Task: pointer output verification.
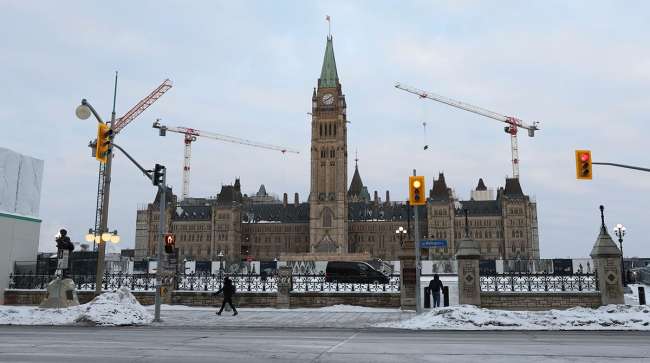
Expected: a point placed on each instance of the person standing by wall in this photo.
(435, 286)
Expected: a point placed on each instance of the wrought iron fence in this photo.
(541, 282)
(213, 282)
(317, 283)
(244, 283)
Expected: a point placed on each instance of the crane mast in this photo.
(191, 136)
(513, 123)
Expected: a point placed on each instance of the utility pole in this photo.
(418, 264)
(163, 191)
(103, 222)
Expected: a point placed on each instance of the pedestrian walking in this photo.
(228, 290)
(435, 286)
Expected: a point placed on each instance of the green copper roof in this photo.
(328, 75)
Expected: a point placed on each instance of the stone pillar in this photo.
(607, 265)
(283, 300)
(407, 276)
(60, 294)
(468, 254)
(166, 287)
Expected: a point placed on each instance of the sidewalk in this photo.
(330, 317)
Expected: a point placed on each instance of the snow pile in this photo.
(110, 308)
(633, 298)
(114, 308)
(352, 309)
(468, 317)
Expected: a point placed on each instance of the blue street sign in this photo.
(433, 243)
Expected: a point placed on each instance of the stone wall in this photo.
(317, 300)
(539, 301)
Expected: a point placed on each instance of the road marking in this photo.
(343, 342)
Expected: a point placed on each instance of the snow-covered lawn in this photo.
(468, 317)
(110, 308)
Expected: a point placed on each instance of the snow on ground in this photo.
(110, 308)
(633, 299)
(468, 317)
(333, 308)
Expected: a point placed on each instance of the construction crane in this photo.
(192, 134)
(118, 125)
(513, 123)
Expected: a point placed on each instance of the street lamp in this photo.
(83, 112)
(401, 233)
(220, 265)
(619, 231)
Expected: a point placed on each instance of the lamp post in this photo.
(83, 112)
(619, 230)
(220, 265)
(401, 233)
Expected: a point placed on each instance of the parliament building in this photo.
(337, 218)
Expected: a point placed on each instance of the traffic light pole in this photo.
(163, 191)
(103, 223)
(418, 264)
(162, 188)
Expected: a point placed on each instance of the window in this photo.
(327, 217)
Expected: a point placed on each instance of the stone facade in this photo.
(336, 220)
(539, 301)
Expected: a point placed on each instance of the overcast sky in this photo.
(582, 69)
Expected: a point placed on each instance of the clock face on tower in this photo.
(328, 99)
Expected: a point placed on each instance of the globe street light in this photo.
(401, 232)
(619, 231)
(83, 112)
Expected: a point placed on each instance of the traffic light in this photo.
(158, 174)
(416, 190)
(583, 164)
(103, 145)
(170, 243)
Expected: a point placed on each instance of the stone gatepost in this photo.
(607, 265)
(407, 276)
(468, 254)
(283, 300)
(168, 285)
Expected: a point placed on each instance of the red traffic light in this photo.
(584, 156)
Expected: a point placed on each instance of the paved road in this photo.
(187, 344)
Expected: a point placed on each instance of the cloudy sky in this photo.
(580, 68)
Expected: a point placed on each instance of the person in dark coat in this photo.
(63, 244)
(228, 290)
(435, 286)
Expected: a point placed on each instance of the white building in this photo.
(20, 195)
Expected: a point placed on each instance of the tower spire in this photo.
(356, 158)
(328, 76)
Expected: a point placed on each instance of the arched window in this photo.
(327, 217)
(332, 153)
(321, 129)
